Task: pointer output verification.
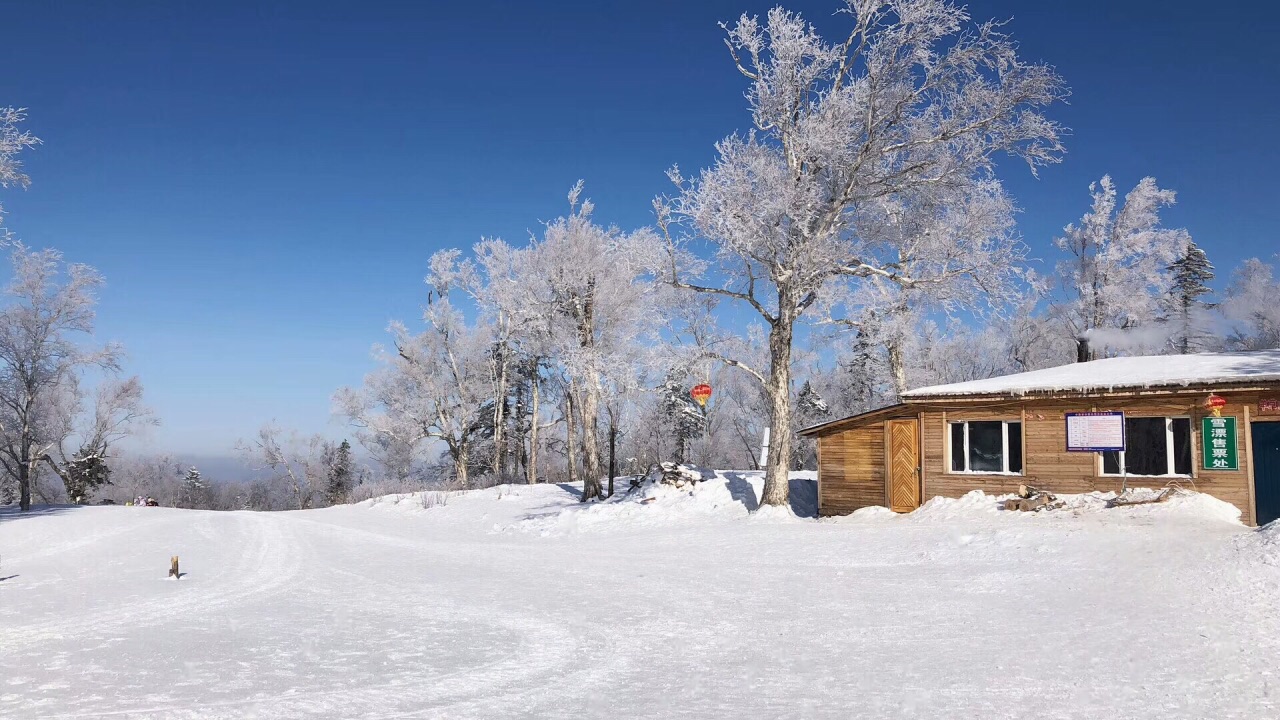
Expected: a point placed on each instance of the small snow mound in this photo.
(653, 504)
(721, 495)
(875, 512)
(1269, 534)
(413, 502)
(975, 502)
(775, 514)
(1200, 506)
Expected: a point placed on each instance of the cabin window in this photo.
(1153, 446)
(987, 446)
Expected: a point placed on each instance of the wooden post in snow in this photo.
(173, 568)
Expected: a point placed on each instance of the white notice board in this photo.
(1095, 431)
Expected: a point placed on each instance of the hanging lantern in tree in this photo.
(701, 393)
(1215, 403)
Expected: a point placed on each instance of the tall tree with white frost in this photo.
(117, 411)
(1251, 307)
(435, 386)
(299, 462)
(916, 97)
(589, 284)
(49, 304)
(951, 248)
(1117, 272)
(1191, 273)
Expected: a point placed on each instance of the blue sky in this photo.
(262, 184)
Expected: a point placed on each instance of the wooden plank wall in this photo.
(851, 469)
(1047, 465)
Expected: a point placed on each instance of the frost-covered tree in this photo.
(1252, 307)
(295, 461)
(1116, 275)
(589, 284)
(575, 305)
(117, 411)
(958, 247)
(85, 472)
(13, 140)
(434, 387)
(494, 278)
(810, 409)
(916, 99)
(49, 307)
(194, 492)
(1190, 273)
(340, 473)
(684, 417)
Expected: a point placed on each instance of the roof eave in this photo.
(836, 425)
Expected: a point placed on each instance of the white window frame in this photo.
(1170, 462)
(1004, 450)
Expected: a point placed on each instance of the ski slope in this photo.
(518, 602)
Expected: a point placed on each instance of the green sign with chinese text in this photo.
(1218, 443)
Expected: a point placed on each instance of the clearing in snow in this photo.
(518, 601)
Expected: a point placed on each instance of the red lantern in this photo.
(1215, 403)
(701, 393)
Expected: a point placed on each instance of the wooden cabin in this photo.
(996, 434)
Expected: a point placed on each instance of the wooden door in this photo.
(1266, 471)
(903, 454)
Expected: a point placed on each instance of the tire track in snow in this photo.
(269, 566)
(545, 652)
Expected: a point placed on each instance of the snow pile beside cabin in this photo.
(1164, 371)
(721, 495)
(1184, 506)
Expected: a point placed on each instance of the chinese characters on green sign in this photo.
(1218, 441)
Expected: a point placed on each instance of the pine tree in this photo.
(1190, 273)
(687, 419)
(811, 409)
(340, 475)
(84, 473)
(194, 491)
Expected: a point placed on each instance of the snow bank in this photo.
(724, 495)
(1186, 506)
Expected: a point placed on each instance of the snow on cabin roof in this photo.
(1128, 373)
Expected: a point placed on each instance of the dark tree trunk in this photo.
(613, 445)
(24, 486)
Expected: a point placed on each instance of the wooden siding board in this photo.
(851, 473)
(853, 460)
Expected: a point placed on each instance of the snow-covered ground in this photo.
(519, 602)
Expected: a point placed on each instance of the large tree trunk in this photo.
(591, 487)
(499, 412)
(24, 486)
(460, 458)
(613, 452)
(897, 366)
(531, 463)
(570, 435)
(776, 474)
(590, 399)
